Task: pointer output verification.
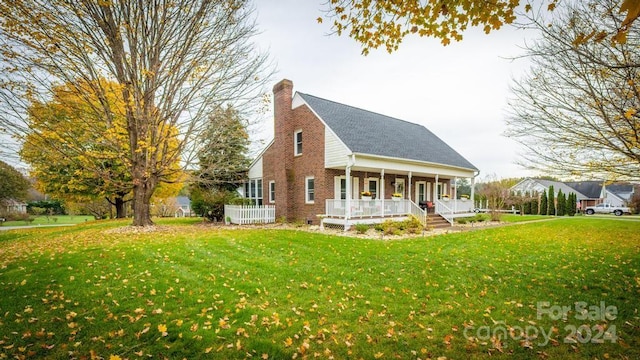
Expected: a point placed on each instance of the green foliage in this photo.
(19, 219)
(561, 205)
(223, 161)
(551, 202)
(572, 204)
(544, 203)
(480, 217)
(35, 210)
(526, 208)
(12, 184)
(410, 226)
(51, 207)
(210, 203)
(361, 228)
(534, 206)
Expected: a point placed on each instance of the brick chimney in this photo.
(283, 147)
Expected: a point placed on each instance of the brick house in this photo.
(326, 155)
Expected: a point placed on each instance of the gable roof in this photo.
(529, 184)
(590, 189)
(366, 132)
(183, 201)
(623, 191)
(557, 185)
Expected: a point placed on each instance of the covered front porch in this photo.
(374, 190)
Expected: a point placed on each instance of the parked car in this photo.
(607, 209)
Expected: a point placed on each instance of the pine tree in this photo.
(534, 206)
(223, 157)
(543, 203)
(551, 202)
(562, 200)
(571, 204)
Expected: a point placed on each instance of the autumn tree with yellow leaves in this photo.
(577, 110)
(172, 61)
(376, 24)
(90, 160)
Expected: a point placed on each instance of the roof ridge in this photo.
(361, 109)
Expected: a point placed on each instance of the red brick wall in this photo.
(309, 163)
(288, 171)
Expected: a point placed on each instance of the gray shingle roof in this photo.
(367, 132)
(566, 189)
(591, 189)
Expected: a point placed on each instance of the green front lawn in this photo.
(51, 220)
(191, 291)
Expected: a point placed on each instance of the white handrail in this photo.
(415, 210)
(444, 211)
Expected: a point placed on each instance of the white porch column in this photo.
(382, 191)
(351, 160)
(473, 187)
(454, 194)
(409, 186)
(435, 189)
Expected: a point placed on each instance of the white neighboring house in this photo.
(617, 194)
(589, 193)
(533, 186)
(183, 207)
(14, 206)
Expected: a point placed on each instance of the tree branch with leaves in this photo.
(173, 62)
(576, 111)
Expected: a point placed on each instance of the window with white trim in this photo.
(371, 185)
(340, 188)
(297, 143)
(272, 191)
(421, 191)
(309, 189)
(399, 187)
(253, 190)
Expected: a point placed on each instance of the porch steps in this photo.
(437, 222)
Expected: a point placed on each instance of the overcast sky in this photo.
(459, 92)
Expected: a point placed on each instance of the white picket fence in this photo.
(249, 214)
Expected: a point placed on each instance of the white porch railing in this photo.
(374, 208)
(444, 211)
(449, 209)
(416, 211)
(252, 214)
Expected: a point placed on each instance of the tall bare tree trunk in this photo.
(142, 193)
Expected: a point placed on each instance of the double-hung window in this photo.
(272, 191)
(309, 190)
(297, 143)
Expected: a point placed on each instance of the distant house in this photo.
(589, 193)
(344, 164)
(14, 206)
(183, 209)
(618, 194)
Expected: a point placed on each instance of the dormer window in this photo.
(297, 143)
